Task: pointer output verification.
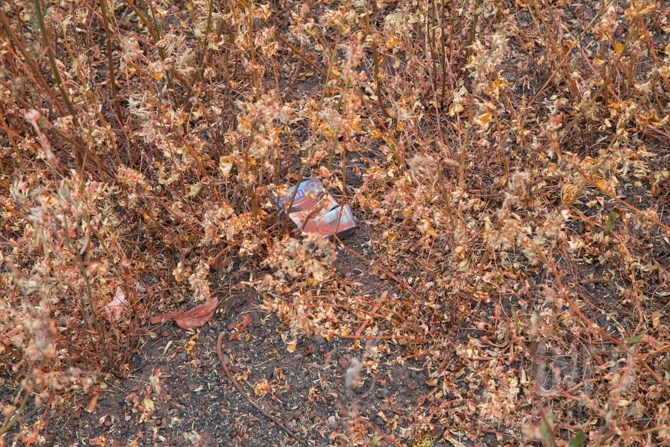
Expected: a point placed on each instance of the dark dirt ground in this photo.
(198, 406)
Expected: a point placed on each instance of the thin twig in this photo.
(80, 154)
(52, 60)
(205, 44)
(16, 415)
(238, 387)
(34, 70)
(110, 59)
(623, 202)
(297, 51)
(401, 282)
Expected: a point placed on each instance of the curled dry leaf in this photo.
(115, 308)
(90, 408)
(155, 380)
(192, 318)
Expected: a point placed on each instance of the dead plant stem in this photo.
(106, 22)
(238, 387)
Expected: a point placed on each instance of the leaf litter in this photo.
(507, 165)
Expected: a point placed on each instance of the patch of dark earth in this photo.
(177, 394)
(195, 405)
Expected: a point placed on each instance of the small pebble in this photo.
(332, 422)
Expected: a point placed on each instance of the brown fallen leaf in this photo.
(162, 318)
(93, 402)
(192, 318)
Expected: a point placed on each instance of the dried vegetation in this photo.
(508, 162)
